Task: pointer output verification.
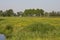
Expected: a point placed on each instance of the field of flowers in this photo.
(30, 28)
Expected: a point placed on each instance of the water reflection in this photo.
(2, 37)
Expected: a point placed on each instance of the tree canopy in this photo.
(29, 12)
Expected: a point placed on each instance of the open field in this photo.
(30, 28)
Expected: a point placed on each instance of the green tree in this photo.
(1, 12)
(38, 13)
(33, 12)
(20, 13)
(25, 12)
(46, 14)
(58, 13)
(42, 12)
(29, 12)
(53, 13)
(9, 12)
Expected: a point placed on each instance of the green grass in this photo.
(30, 28)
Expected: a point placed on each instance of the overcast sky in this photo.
(20, 5)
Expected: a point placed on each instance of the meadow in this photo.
(30, 28)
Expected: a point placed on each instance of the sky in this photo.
(21, 5)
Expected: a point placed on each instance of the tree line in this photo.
(29, 12)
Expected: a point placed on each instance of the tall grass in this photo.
(30, 28)
(38, 30)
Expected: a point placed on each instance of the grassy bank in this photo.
(30, 28)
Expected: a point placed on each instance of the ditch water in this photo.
(2, 37)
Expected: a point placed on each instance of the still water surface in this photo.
(2, 37)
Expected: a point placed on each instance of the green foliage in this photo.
(2, 19)
(1, 12)
(39, 28)
(29, 13)
(7, 13)
(20, 13)
(30, 28)
(8, 31)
